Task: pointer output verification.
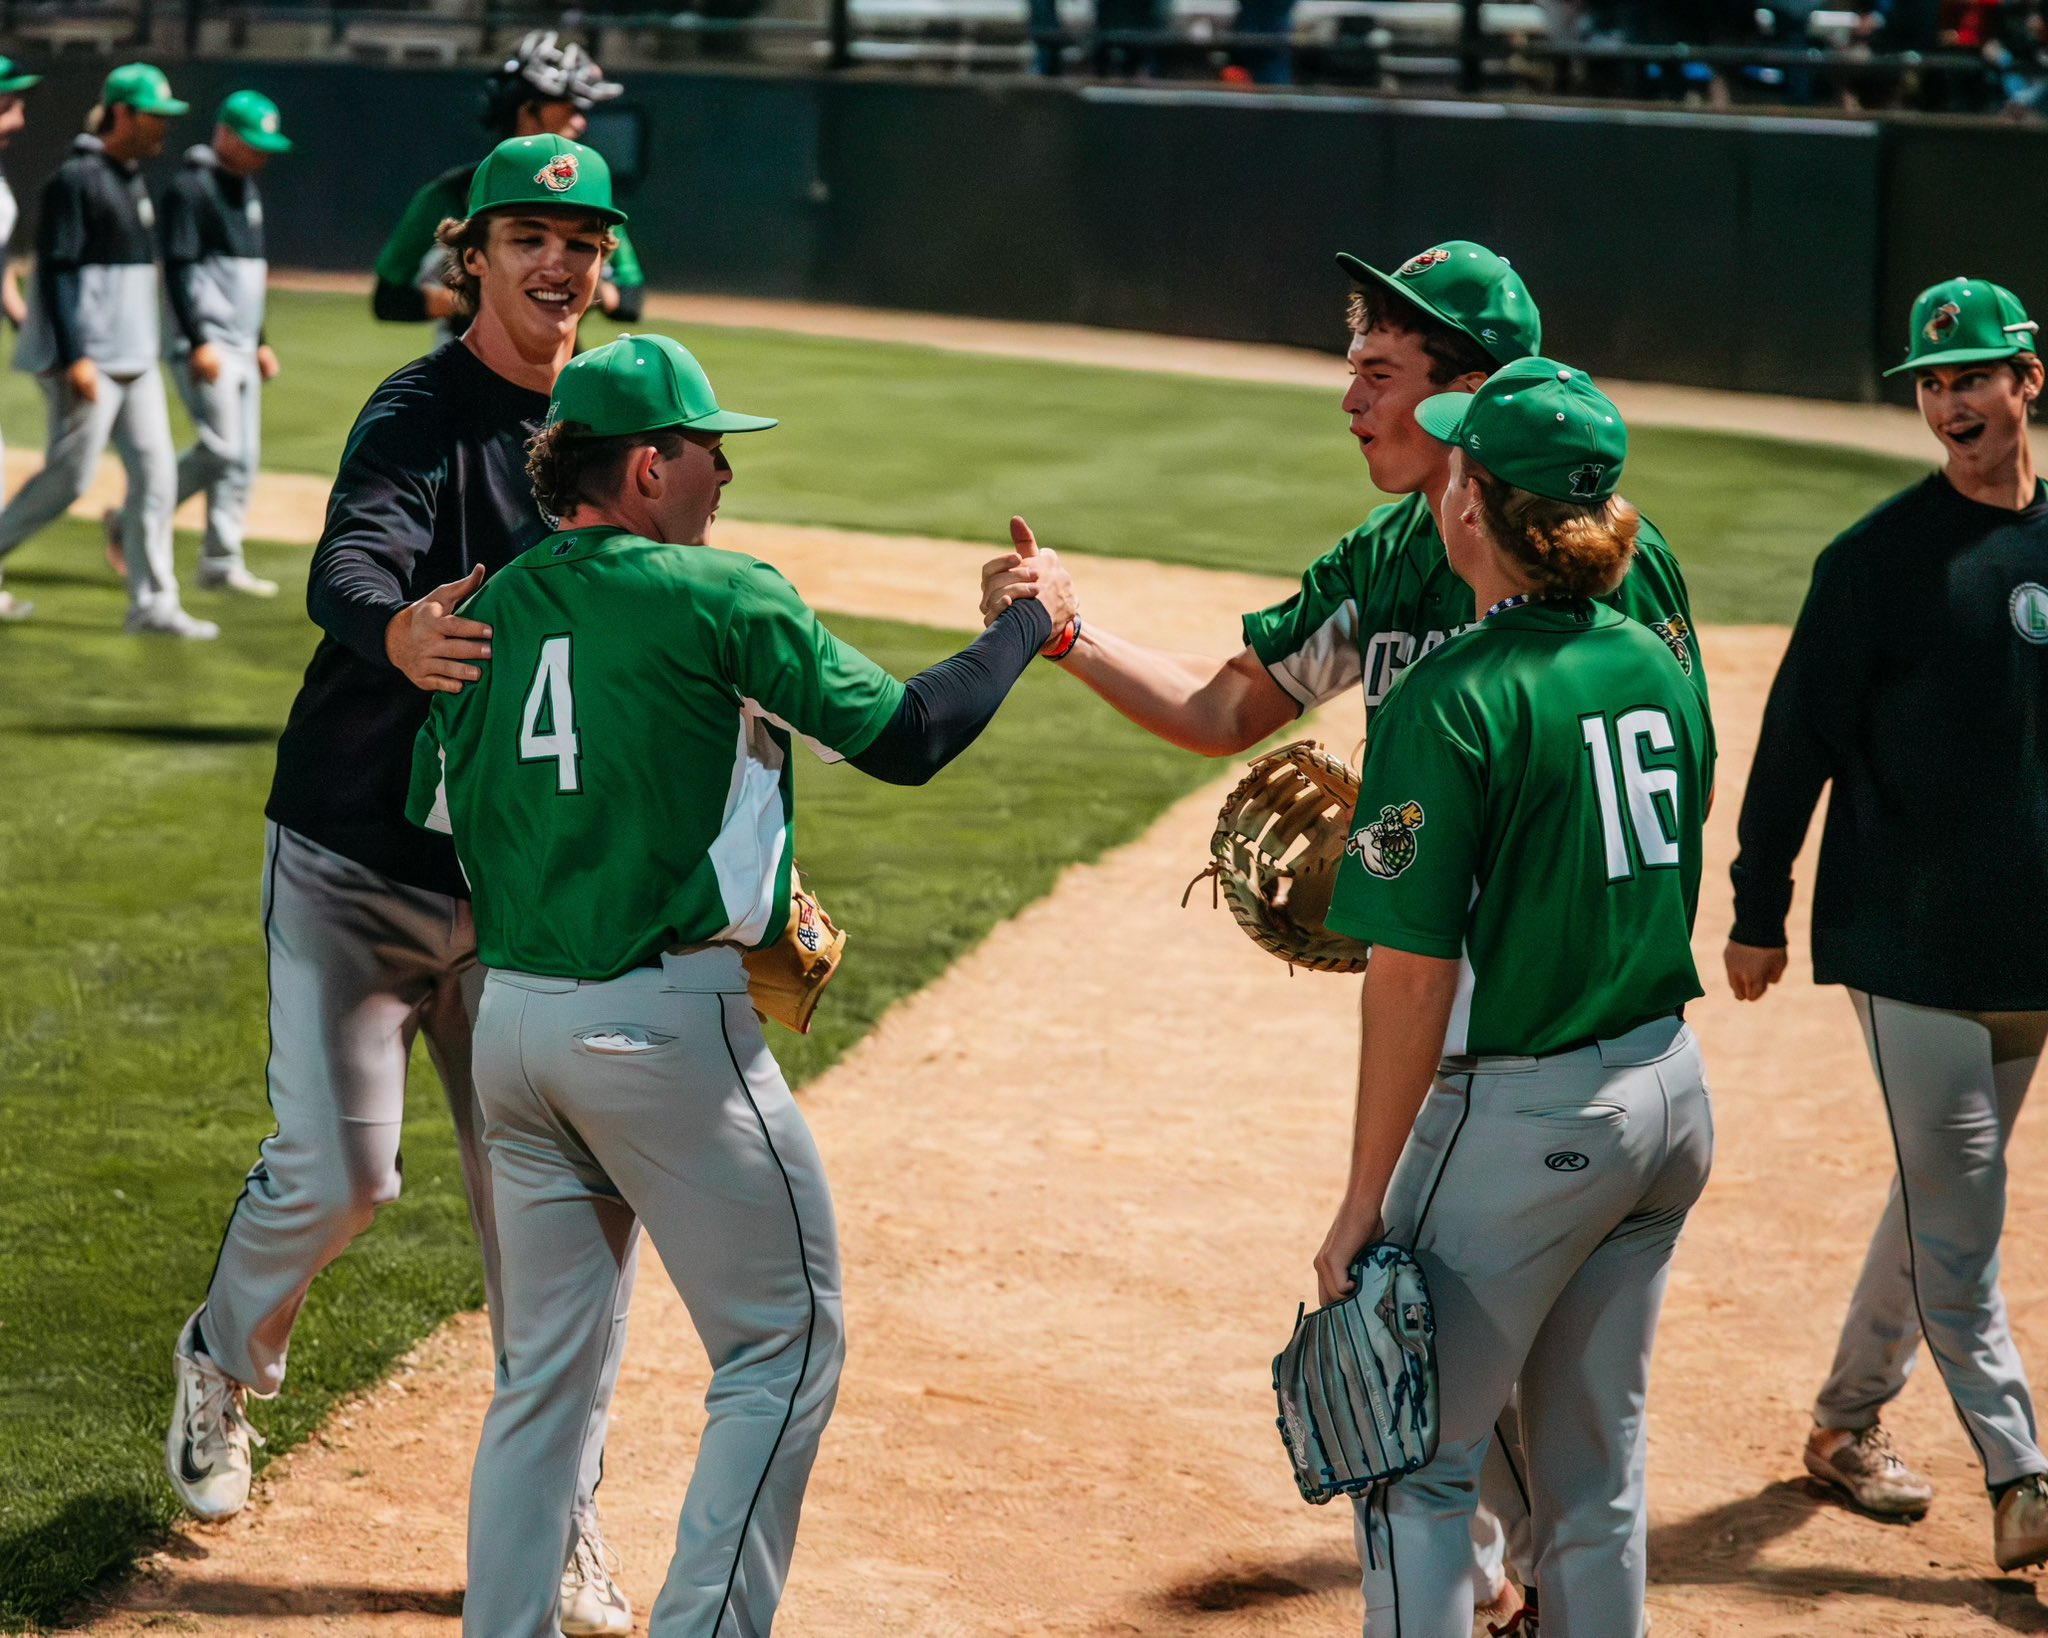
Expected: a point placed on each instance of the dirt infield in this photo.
(1080, 1180)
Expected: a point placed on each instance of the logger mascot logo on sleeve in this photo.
(1387, 847)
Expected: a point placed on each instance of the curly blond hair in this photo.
(1567, 549)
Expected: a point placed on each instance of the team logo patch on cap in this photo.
(1675, 632)
(1387, 846)
(1942, 321)
(558, 175)
(2029, 605)
(1586, 480)
(1421, 264)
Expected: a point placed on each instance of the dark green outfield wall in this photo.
(1772, 254)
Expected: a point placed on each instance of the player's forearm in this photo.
(1785, 780)
(352, 594)
(946, 706)
(1404, 1013)
(1188, 700)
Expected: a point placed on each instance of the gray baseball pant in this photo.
(227, 414)
(135, 417)
(650, 1096)
(1953, 1084)
(1543, 1197)
(360, 966)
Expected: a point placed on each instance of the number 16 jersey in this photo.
(1530, 806)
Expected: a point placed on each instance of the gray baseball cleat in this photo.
(164, 618)
(1864, 1465)
(206, 1450)
(593, 1604)
(236, 578)
(2019, 1530)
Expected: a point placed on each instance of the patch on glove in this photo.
(1277, 845)
(785, 979)
(1357, 1381)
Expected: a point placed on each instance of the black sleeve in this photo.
(178, 226)
(946, 706)
(632, 300)
(380, 521)
(1816, 700)
(398, 303)
(60, 249)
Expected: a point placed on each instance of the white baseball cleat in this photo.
(236, 578)
(206, 1451)
(1866, 1466)
(164, 619)
(592, 1602)
(2019, 1533)
(13, 608)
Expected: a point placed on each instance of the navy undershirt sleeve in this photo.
(946, 706)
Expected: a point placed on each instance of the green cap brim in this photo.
(1443, 416)
(266, 142)
(1959, 355)
(172, 109)
(730, 421)
(18, 84)
(1362, 273)
(610, 215)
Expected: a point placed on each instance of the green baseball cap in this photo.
(12, 81)
(544, 170)
(642, 384)
(1470, 289)
(254, 118)
(1966, 321)
(143, 87)
(1537, 424)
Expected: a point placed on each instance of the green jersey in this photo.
(1384, 596)
(1530, 807)
(619, 781)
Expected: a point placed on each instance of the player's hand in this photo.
(1751, 969)
(267, 365)
(1027, 571)
(205, 363)
(431, 644)
(12, 304)
(607, 297)
(440, 300)
(1356, 1227)
(82, 376)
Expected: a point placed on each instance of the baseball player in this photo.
(543, 88)
(13, 116)
(619, 788)
(90, 340)
(1917, 684)
(1384, 596)
(215, 279)
(1532, 1121)
(366, 919)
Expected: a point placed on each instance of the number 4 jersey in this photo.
(619, 781)
(1530, 807)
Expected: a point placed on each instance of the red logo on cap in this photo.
(1942, 321)
(1421, 264)
(558, 175)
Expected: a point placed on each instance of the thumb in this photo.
(1022, 538)
(456, 590)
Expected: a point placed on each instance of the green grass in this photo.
(132, 1014)
(1218, 474)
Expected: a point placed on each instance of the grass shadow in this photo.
(161, 733)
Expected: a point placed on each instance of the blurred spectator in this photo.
(1267, 65)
